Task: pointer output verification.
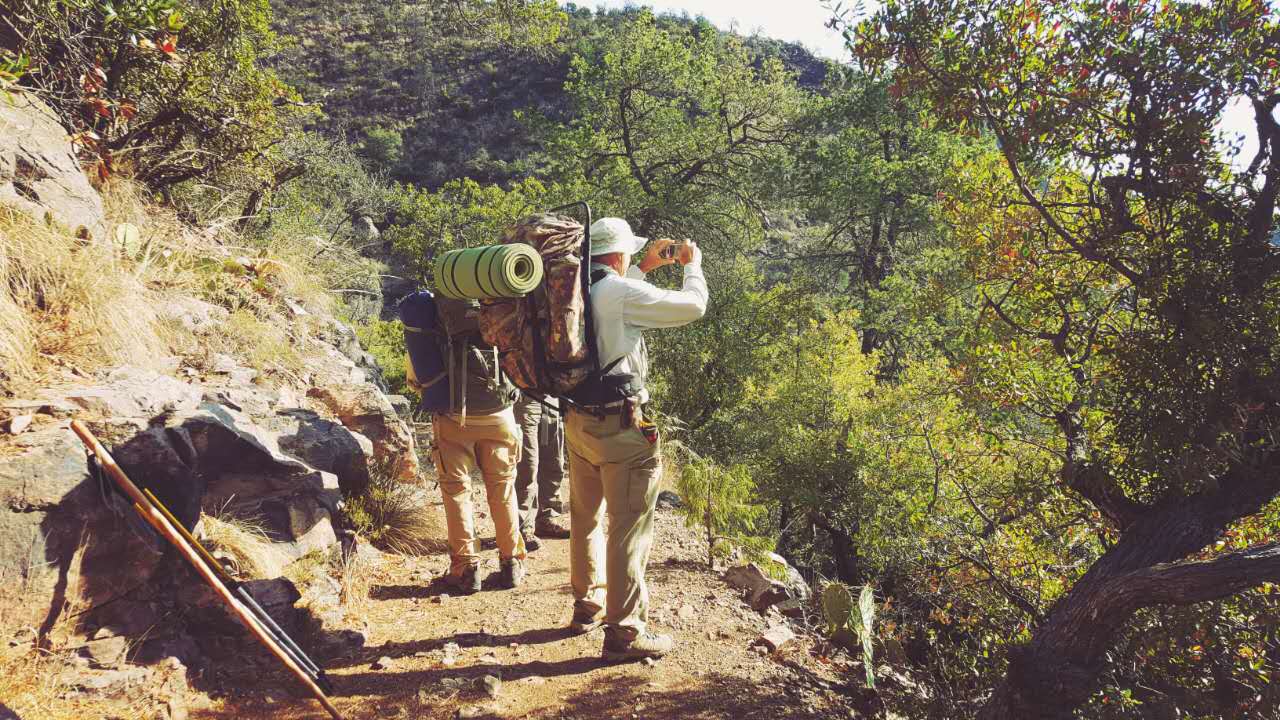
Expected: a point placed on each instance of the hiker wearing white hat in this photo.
(613, 447)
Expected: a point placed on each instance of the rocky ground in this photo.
(506, 654)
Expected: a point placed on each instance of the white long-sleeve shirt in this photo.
(624, 307)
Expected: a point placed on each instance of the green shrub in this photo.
(392, 515)
(724, 504)
(384, 339)
(168, 90)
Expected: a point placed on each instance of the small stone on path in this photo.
(450, 654)
(19, 424)
(776, 637)
(381, 663)
(687, 612)
(492, 685)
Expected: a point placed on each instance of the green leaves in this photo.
(723, 502)
(676, 130)
(463, 213)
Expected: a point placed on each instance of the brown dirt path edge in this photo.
(519, 635)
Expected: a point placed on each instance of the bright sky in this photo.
(804, 21)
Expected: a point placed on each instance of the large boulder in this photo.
(364, 409)
(59, 533)
(130, 392)
(39, 172)
(762, 591)
(64, 533)
(325, 445)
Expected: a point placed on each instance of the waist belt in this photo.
(612, 408)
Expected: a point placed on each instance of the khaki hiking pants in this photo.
(541, 470)
(614, 466)
(491, 444)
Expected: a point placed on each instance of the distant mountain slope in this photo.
(428, 106)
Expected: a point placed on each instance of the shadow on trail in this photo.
(438, 694)
(435, 588)
(408, 683)
(713, 696)
(538, 636)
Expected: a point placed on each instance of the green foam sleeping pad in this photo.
(496, 271)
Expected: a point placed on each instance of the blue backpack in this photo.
(450, 361)
(428, 347)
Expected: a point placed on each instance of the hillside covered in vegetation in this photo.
(427, 103)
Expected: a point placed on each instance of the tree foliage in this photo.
(1131, 280)
(166, 90)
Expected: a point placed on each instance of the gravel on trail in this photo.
(430, 659)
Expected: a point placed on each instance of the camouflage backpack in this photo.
(543, 339)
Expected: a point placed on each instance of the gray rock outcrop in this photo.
(367, 411)
(39, 172)
(231, 446)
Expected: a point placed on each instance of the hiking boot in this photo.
(645, 645)
(465, 583)
(511, 574)
(585, 619)
(531, 541)
(550, 527)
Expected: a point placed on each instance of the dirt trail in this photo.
(519, 636)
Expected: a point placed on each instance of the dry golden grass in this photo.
(243, 543)
(91, 305)
(30, 680)
(70, 302)
(34, 681)
(395, 517)
(356, 572)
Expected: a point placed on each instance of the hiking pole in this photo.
(168, 532)
(263, 618)
(237, 587)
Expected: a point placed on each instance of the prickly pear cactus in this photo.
(837, 607)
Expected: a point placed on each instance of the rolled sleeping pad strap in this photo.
(496, 271)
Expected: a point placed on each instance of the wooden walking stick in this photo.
(162, 525)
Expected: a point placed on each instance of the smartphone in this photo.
(670, 251)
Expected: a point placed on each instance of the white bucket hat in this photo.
(613, 235)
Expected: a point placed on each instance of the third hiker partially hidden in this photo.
(613, 447)
(540, 473)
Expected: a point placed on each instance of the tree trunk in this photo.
(1057, 671)
(843, 550)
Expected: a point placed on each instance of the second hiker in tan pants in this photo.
(477, 432)
(490, 444)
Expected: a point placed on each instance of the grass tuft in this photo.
(395, 516)
(69, 302)
(242, 543)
